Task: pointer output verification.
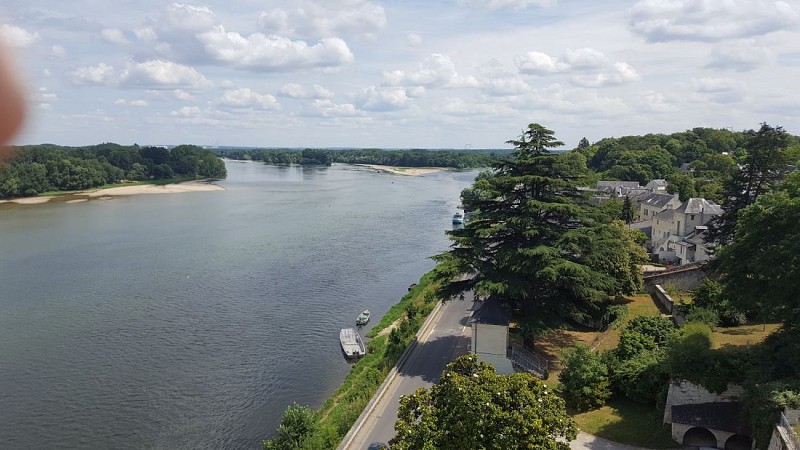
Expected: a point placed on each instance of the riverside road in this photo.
(444, 340)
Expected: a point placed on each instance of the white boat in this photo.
(458, 218)
(352, 345)
(363, 318)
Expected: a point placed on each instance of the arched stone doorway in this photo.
(699, 437)
(739, 442)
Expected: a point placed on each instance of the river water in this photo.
(192, 320)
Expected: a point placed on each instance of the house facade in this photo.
(678, 233)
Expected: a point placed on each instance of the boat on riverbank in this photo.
(458, 218)
(352, 345)
(363, 318)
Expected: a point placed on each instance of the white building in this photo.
(675, 235)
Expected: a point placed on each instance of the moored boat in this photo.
(458, 218)
(363, 318)
(352, 345)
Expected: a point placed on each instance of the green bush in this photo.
(297, 424)
(689, 352)
(613, 316)
(702, 315)
(709, 296)
(659, 328)
(632, 343)
(584, 380)
(641, 377)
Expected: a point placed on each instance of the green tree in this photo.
(760, 267)
(584, 380)
(763, 168)
(628, 210)
(472, 407)
(297, 424)
(531, 243)
(683, 184)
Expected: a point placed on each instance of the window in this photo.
(692, 217)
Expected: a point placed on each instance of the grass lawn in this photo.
(629, 423)
(741, 335)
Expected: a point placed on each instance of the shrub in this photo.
(641, 377)
(659, 328)
(632, 343)
(297, 424)
(689, 351)
(613, 316)
(584, 380)
(702, 315)
(709, 296)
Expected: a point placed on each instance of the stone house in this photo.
(653, 204)
(671, 226)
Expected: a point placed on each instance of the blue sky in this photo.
(431, 74)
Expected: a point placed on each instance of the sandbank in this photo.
(403, 170)
(109, 193)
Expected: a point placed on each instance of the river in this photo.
(192, 320)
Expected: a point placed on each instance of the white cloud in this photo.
(180, 94)
(436, 70)
(413, 39)
(720, 90)
(58, 51)
(145, 34)
(326, 108)
(163, 74)
(513, 4)
(619, 73)
(294, 90)
(693, 20)
(17, 37)
(325, 19)
(100, 74)
(114, 36)
(656, 102)
(504, 85)
(741, 56)
(262, 52)
(183, 17)
(460, 107)
(138, 103)
(381, 99)
(44, 98)
(585, 58)
(247, 98)
(538, 63)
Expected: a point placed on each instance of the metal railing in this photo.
(794, 441)
(525, 361)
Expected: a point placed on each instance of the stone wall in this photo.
(688, 393)
(684, 278)
(666, 301)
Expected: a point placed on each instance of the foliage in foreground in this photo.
(472, 407)
(584, 380)
(297, 424)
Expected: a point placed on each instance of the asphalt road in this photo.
(446, 339)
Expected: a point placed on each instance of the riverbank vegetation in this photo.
(459, 159)
(37, 169)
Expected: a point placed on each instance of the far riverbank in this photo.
(118, 191)
(396, 170)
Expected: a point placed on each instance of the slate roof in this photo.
(666, 215)
(658, 200)
(700, 205)
(491, 312)
(609, 185)
(723, 416)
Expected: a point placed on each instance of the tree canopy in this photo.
(534, 242)
(760, 266)
(42, 168)
(472, 407)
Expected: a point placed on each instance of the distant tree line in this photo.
(460, 159)
(35, 169)
(696, 162)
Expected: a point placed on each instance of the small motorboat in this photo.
(352, 345)
(458, 218)
(363, 318)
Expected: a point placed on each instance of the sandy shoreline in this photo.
(108, 193)
(403, 170)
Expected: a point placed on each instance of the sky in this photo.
(399, 74)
